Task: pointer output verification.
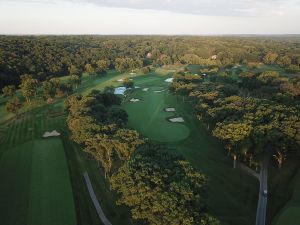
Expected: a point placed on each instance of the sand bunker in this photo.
(177, 120)
(54, 133)
(120, 80)
(169, 80)
(170, 109)
(135, 100)
(145, 89)
(120, 90)
(159, 91)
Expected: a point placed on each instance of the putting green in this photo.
(35, 185)
(148, 116)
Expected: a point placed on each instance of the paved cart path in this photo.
(99, 210)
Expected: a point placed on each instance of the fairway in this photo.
(35, 186)
(149, 117)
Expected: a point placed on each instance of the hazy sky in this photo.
(149, 16)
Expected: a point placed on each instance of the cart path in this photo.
(99, 210)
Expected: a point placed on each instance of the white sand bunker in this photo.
(159, 91)
(177, 120)
(169, 80)
(135, 100)
(120, 80)
(170, 109)
(145, 89)
(54, 133)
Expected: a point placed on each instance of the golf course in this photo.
(42, 177)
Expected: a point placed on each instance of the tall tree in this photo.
(162, 188)
(28, 86)
(9, 91)
(13, 106)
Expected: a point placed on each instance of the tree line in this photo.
(255, 114)
(54, 56)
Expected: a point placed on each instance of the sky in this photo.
(167, 17)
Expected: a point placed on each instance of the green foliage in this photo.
(127, 64)
(9, 91)
(50, 87)
(13, 106)
(88, 68)
(28, 86)
(270, 58)
(96, 122)
(102, 66)
(75, 80)
(162, 188)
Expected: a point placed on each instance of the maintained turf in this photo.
(35, 186)
(149, 117)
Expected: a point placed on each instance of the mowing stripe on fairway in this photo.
(36, 188)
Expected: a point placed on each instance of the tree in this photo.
(75, 80)
(102, 66)
(66, 88)
(73, 70)
(28, 86)
(89, 69)
(101, 148)
(13, 106)
(146, 70)
(48, 90)
(270, 58)
(9, 91)
(162, 188)
(233, 133)
(284, 61)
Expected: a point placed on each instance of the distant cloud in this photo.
(198, 7)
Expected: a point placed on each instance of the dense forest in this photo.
(48, 56)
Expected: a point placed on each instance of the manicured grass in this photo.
(36, 187)
(149, 117)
